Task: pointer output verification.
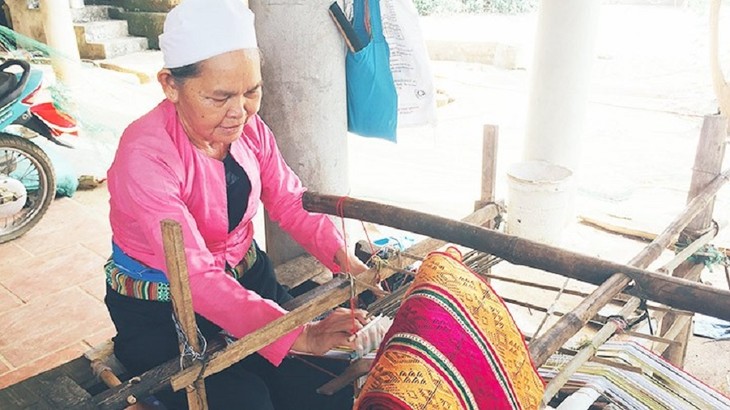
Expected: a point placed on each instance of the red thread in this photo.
(341, 213)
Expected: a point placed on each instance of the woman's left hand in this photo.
(337, 329)
(343, 259)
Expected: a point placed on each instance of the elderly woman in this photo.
(204, 158)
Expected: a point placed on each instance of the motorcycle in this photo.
(27, 178)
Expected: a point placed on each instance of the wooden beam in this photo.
(182, 304)
(678, 293)
(673, 332)
(299, 270)
(357, 369)
(650, 337)
(337, 291)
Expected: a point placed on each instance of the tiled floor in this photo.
(52, 287)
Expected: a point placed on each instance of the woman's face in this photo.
(214, 105)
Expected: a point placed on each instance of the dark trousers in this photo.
(146, 337)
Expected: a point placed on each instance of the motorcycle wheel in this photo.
(23, 160)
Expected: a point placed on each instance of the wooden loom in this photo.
(612, 279)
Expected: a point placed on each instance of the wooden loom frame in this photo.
(647, 284)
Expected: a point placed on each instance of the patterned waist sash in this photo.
(124, 284)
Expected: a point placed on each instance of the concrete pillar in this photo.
(60, 35)
(304, 99)
(560, 77)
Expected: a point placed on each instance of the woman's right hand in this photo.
(333, 331)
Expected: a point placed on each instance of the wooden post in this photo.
(675, 292)
(490, 141)
(182, 302)
(707, 165)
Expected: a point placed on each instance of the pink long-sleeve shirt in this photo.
(158, 174)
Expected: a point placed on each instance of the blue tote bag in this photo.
(372, 101)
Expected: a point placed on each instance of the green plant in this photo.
(428, 7)
(508, 6)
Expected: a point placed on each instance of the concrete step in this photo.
(144, 64)
(95, 31)
(142, 23)
(90, 13)
(113, 47)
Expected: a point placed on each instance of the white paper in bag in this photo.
(409, 63)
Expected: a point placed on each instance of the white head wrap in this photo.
(196, 30)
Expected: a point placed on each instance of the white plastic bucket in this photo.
(539, 200)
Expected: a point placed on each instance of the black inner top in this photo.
(238, 189)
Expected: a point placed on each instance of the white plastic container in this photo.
(539, 200)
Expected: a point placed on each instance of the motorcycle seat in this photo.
(8, 84)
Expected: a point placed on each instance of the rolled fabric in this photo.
(453, 345)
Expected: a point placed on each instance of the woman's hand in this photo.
(332, 331)
(342, 259)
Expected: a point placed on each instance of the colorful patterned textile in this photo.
(453, 345)
(160, 291)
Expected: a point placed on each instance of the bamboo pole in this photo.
(675, 292)
(182, 304)
(542, 347)
(605, 333)
(570, 324)
(687, 252)
(707, 165)
(97, 357)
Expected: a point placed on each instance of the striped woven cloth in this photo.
(453, 345)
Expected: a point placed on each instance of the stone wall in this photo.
(26, 21)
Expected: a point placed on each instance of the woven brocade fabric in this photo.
(453, 345)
